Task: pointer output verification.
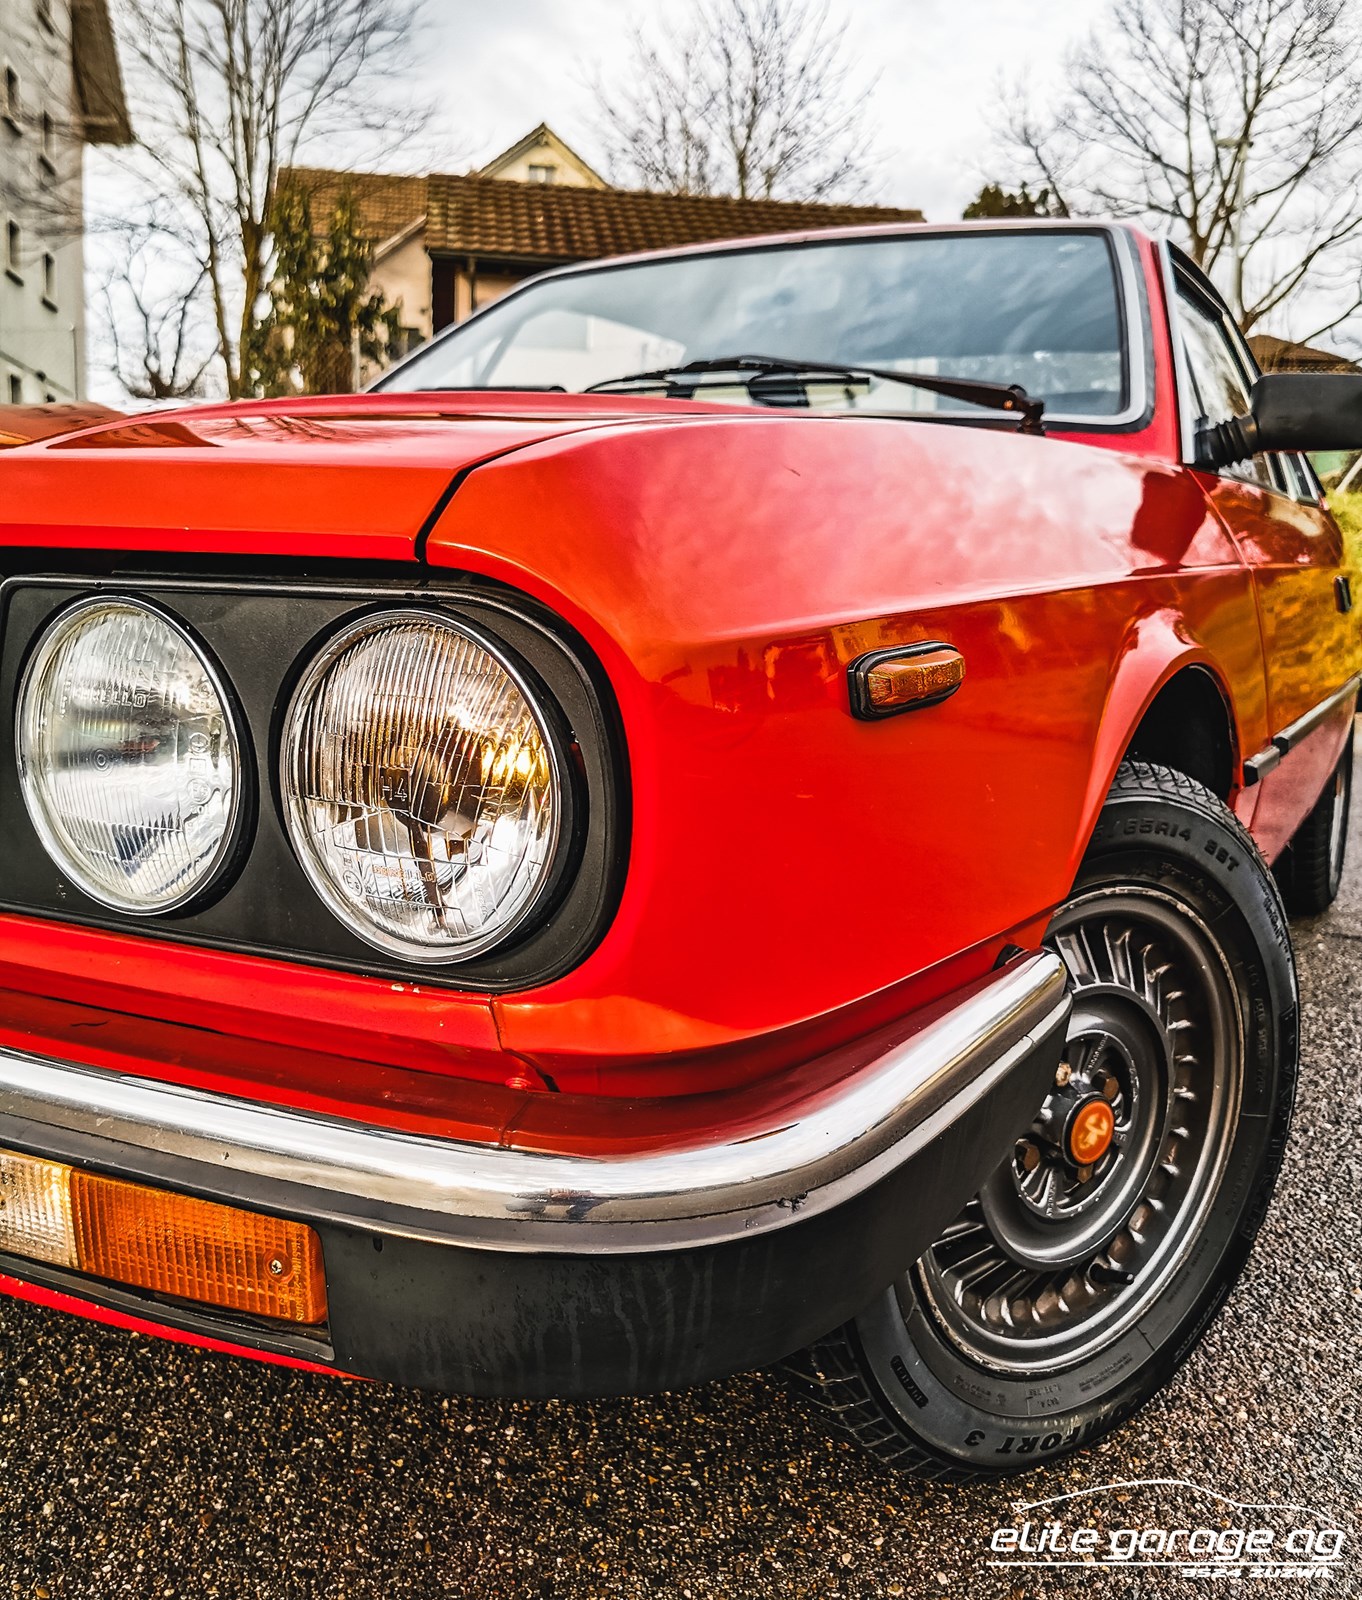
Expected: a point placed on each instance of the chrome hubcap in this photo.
(1054, 1259)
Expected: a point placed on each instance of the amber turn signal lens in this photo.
(171, 1244)
(196, 1250)
(908, 680)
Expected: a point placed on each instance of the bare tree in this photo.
(231, 92)
(748, 97)
(1234, 125)
(155, 316)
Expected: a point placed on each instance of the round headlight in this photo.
(421, 787)
(129, 756)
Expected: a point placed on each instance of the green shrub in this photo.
(1348, 509)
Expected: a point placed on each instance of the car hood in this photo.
(358, 477)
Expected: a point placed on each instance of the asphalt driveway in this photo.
(131, 1467)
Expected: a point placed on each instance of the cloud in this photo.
(495, 71)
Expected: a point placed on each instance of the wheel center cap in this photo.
(1088, 1136)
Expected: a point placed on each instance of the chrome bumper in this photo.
(762, 1174)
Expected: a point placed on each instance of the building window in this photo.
(50, 281)
(14, 247)
(48, 154)
(542, 173)
(12, 109)
(407, 340)
(16, 389)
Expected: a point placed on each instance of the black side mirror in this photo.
(1289, 411)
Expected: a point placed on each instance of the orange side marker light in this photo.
(887, 681)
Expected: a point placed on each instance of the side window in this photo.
(1217, 376)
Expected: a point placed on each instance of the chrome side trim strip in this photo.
(1282, 744)
(1302, 727)
(822, 1152)
(1257, 767)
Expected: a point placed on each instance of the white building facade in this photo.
(60, 90)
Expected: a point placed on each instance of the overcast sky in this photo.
(496, 69)
(933, 71)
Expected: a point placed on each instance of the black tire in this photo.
(1310, 869)
(925, 1378)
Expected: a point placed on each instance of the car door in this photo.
(1274, 511)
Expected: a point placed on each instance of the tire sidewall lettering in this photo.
(995, 1422)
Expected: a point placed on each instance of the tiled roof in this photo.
(388, 203)
(99, 84)
(552, 222)
(489, 217)
(1284, 355)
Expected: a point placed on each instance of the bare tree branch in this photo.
(748, 97)
(1234, 125)
(167, 356)
(227, 94)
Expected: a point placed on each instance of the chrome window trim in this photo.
(1281, 472)
(1182, 376)
(1277, 461)
(1189, 282)
(1131, 299)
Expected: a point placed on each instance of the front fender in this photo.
(789, 863)
(1154, 650)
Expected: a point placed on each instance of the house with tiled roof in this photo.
(446, 244)
(542, 157)
(1286, 355)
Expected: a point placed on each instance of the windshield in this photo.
(1039, 309)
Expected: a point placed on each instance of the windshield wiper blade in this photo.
(973, 391)
(492, 388)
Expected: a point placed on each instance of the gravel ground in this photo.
(132, 1467)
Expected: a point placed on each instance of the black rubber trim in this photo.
(251, 1333)
(261, 633)
(456, 483)
(1292, 735)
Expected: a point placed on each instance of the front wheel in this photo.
(1070, 1289)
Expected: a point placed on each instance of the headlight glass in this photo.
(129, 756)
(422, 789)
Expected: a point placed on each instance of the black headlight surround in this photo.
(263, 635)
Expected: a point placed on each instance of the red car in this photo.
(740, 804)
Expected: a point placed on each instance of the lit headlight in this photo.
(128, 755)
(421, 787)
